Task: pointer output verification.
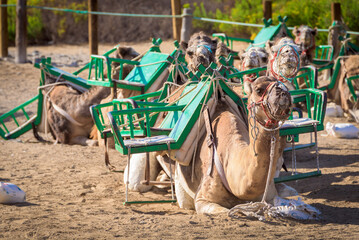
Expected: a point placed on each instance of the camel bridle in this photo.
(249, 77)
(264, 104)
(280, 75)
(305, 50)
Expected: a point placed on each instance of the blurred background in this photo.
(61, 27)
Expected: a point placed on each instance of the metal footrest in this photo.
(144, 182)
(149, 202)
(299, 146)
(297, 176)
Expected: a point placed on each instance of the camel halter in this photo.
(264, 104)
(206, 46)
(249, 77)
(280, 75)
(305, 50)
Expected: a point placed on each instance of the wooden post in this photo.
(92, 28)
(267, 9)
(336, 12)
(186, 30)
(176, 22)
(21, 32)
(4, 34)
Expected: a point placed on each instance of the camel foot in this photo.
(206, 207)
(285, 191)
(83, 141)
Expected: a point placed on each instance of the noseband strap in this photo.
(279, 75)
(271, 120)
(206, 46)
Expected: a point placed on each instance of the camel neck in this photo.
(250, 168)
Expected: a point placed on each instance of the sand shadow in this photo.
(4, 180)
(338, 215)
(23, 204)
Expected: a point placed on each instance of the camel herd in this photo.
(232, 168)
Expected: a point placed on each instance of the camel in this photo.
(201, 49)
(67, 110)
(284, 60)
(245, 158)
(254, 57)
(349, 68)
(305, 38)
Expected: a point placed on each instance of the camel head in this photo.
(222, 50)
(269, 100)
(284, 60)
(305, 36)
(254, 57)
(126, 53)
(200, 49)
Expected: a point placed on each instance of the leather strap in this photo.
(215, 157)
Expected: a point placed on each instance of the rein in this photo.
(264, 104)
(305, 50)
(249, 77)
(280, 75)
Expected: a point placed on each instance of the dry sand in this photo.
(71, 195)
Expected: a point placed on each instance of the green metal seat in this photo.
(146, 71)
(267, 33)
(316, 101)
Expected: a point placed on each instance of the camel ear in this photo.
(269, 45)
(241, 54)
(184, 45)
(247, 87)
(122, 51)
(295, 31)
(314, 31)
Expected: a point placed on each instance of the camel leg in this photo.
(84, 141)
(184, 200)
(137, 172)
(206, 207)
(203, 204)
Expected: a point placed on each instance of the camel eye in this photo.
(259, 90)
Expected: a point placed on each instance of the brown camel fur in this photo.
(340, 94)
(305, 38)
(68, 111)
(245, 172)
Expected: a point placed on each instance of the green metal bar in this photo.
(18, 108)
(351, 87)
(149, 202)
(297, 176)
(129, 118)
(25, 113)
(14, 118)
(7, 131)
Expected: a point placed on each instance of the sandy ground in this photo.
(71, 194)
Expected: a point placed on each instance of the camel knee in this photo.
(83, 141)
(206, 207)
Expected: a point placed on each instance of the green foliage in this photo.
(307, 12)
(35, 25)
(34, 21)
